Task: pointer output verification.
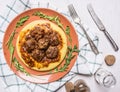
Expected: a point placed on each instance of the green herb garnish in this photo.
(67, 31)
(51, 18)
(69, 55)
(22, 21)
(19, 67)
(11, 47)
(10, 39)
(68, 58)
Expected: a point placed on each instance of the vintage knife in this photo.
(101, 26)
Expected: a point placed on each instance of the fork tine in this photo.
(77, 20)
(71, 10)
(73, 13)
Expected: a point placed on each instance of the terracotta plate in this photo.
(36, 76)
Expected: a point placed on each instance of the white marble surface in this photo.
(109, 13)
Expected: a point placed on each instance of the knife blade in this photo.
(95, 17)
(101, 26)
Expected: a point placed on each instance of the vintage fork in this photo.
(77, 20)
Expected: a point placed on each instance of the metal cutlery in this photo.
(77, 20)
(101, 26)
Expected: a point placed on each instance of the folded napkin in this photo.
(87, 62)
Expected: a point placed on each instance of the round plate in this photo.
(36, 76)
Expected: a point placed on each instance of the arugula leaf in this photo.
(56, 69)
(21, 21)
(75, 49)
(10, 45)
(69, 55)
(51, 18)
(67, 61)
(19, 67)
(68, 58)
(9, 42)
(11, 49)
(68, 34)
(62, 69)
(57, 20)
(67, 30)
(69, 48)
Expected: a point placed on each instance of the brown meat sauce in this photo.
(42, 45)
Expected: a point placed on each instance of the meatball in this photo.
(38, 54)
(46, 27)
(43, 43)
(48, 34)
(29, 45)
(28, 37)
(52, 52)
(37, 33)
(54, 41)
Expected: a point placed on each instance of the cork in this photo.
(69, 87)
(81, 86)
(110, 60)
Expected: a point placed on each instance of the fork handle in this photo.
(92, 45)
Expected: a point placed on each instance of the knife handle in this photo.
(92, 45)
(114, 45)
